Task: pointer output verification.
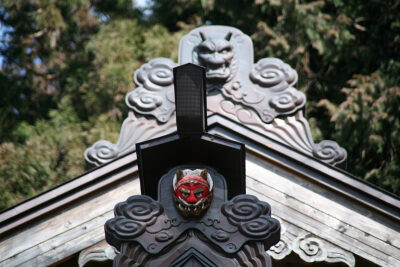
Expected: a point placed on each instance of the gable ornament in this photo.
(261, 96)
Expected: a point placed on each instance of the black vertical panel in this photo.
(190, 99)
(157, 156)
(192, 144)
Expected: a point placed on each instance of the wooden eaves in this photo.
(118, 170)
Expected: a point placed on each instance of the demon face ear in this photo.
(203, 36)
(203, 174)
(228, 36)
(179, 174)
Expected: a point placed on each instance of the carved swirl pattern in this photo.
(132, 217)
(244, 208)
(139, 208)
(125, 229)
(273, 74)
(310, 249)
(154, 95)
(147, 101)
(101, 152)
(287, 101)
(280, 250)
(329, 152)
(269, 90)
(250, 215)
(258, 227)
(264, 88)
(156, 74)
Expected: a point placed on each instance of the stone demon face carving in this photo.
(217, 56)
(192, 190)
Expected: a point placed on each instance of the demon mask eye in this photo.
(199, 192)
(184, 192)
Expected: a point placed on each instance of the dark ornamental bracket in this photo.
(227, 225)
(259, 95)
(200, 218)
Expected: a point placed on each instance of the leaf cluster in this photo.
(50, 117)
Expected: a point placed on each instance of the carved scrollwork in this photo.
(244, 208)
(273, 74)
(287, 101)
(154, 94)
(310, 248)
(280, 250)
(146, 101)
(101, 152)
(139, 208)
(271, 92)
(133, 130)
(156, 74)
(253, 93)
(329, 152)
(132, 217)
(125, 229)
(258, 227)
(140, 219)
(293, 131)
(250, 215)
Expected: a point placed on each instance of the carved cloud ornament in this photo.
(307, 246)
(227, 228)
(260, 95)
(155, 92)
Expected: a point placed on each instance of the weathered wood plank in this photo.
(68, 193)
(329, 204)
(45, 249)
(341, 227)
(321, 230)
(68, 224)
(306, 206)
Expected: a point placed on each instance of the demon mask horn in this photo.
(179, 175)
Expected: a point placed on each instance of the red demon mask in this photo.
(192, 191)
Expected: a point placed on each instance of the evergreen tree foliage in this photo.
(67, 66)
(58, 100)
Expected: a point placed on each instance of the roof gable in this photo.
(317, 203)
